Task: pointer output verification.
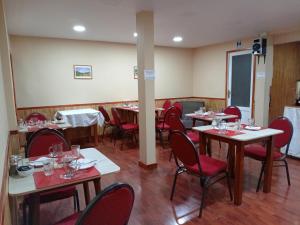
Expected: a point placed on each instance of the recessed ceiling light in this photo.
(177, 39)
(79, 28)
(135, 34)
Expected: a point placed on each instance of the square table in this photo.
(209, 118)
(53, 125)
(135, 109)
(236, 148)
(22, 186)
(83, 118)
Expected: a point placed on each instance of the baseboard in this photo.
(149, 166)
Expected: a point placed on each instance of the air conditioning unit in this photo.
(259, 46)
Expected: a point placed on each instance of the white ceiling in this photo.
(200, 22)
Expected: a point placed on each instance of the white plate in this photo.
(58, 121)
(84, 163)
(220, 114)
(252, 128)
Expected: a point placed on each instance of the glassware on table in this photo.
(238, 124)
(214, 123)
(56, 150)
(222, 127)
(48, 166)
(251, 122)
(69, 171)
(75, 149)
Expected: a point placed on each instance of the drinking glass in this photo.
(75, 149)
(69, 171)
(214, 123)
(222, 127)
(53, 151)
(60, 148)
(48, 165)
(238, 124)
(251, 122)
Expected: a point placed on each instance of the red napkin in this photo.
(42, 181)
(228, 133)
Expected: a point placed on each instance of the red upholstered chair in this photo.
(38, 145)
(178, 105)
(126, 129)
(258, 152)
(112, 206)
(107, 121)
(34, 117)
(175, 123)
(167, 104)
(163, 126)
(233, 110)
(209, 170)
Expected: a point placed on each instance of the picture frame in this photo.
(135, 72)
(82, 71)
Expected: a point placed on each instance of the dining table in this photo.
(83, 118)
(134, 109)
(237, 140)
(56, 124)
(37, 183)
(209, 116)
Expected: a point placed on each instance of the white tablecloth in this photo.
(293, 113)
(82, 117)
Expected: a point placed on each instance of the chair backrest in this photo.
(175, 122)
(116, 116)
(233, 110)
(104, 113)
(284, 124)
(178, 105)
(34, 117)
(112, 206)
(184, 150)
(40, 142)
(167, 104)
(171, 110)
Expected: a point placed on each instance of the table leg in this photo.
(239, 174)
(97, 185)
(203, 143)
(34, 209)
(86, 192)
(14, 210)
(268, 166)
(231, 159)
(95, 134)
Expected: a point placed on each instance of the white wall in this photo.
(43, 71)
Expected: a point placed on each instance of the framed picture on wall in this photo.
(82, 72)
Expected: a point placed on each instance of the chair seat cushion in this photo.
(70, 220)
(209, 166)
(162, 126)
(57, 194)
(194, 136)
(129, 126)
(258, 152)
(112, 123)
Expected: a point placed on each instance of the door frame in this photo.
(253, 79)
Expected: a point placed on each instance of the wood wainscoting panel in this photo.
(286, 71)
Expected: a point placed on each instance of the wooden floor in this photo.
(152, 191)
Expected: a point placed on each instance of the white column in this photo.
(6, 69)
(145, 59)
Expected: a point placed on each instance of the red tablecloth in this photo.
(42, 181)
(228, 133)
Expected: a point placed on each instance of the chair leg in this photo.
(24, 209)
(76, 201)
(287, 172)
(260, 176)
(103, 133)
(170, 157)
(174, 184)
(161, 138)
(229, 186)
(204, 190)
